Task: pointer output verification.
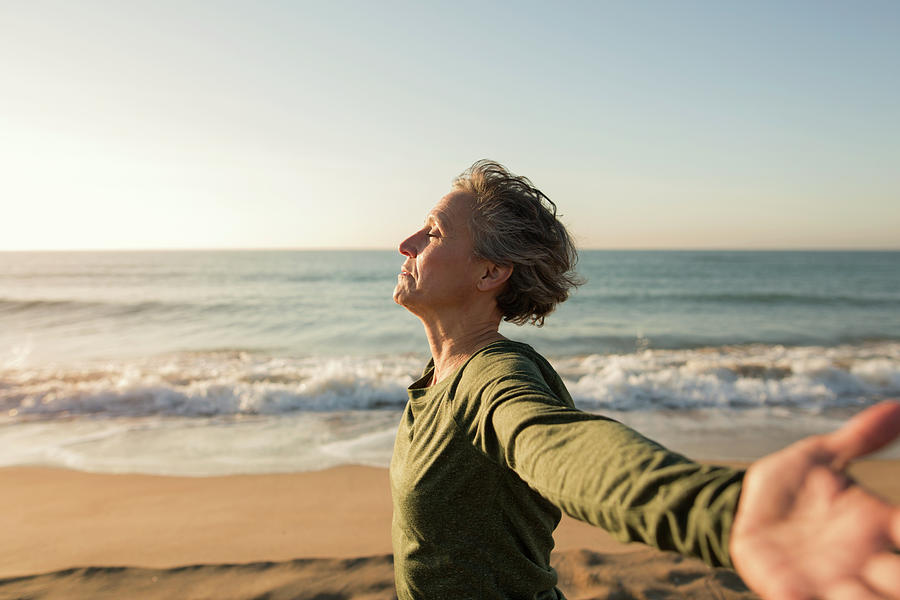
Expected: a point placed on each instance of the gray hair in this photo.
(514, 224)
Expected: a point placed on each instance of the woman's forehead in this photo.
(452, 211)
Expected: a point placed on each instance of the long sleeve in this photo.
(600, 471)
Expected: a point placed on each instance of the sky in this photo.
(264, 124)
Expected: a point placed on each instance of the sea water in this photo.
(201, 363)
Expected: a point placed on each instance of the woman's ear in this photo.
(493, 276)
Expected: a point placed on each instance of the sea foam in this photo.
(240, 412)
(205, 384)
(232, 383)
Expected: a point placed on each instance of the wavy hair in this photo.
(515, 224)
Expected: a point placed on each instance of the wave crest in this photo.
(207, 384)
(807, 379)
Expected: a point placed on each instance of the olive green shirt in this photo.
(485, 459)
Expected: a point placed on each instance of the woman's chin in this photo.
(402, 296)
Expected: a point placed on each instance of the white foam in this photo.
(808, 378)
(208, 384)
(240, 383)
(235, 412)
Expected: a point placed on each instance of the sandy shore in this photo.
(324, 534)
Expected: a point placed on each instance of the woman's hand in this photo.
(805, 530)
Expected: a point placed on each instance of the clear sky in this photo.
(339, 124)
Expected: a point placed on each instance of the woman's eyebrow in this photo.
(436, 218)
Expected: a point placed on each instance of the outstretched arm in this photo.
(805, 530)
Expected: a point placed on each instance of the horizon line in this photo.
(383, 249)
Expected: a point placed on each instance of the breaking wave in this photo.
(235, 382)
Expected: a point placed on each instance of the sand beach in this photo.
(324, 534)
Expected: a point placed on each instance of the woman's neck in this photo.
(451, 349)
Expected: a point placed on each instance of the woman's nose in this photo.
(408, 247)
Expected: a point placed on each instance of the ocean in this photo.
(216, 362)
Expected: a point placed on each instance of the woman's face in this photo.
(440, 270)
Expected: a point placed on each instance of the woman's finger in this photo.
(852, 589)
(882, 574)
(870, 430)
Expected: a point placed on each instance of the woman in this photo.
(490, 447)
